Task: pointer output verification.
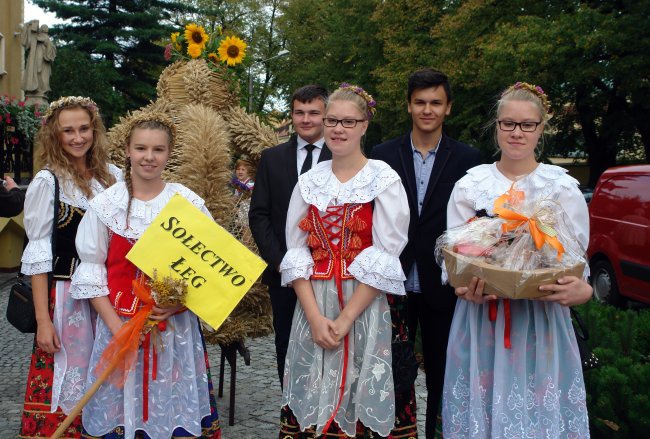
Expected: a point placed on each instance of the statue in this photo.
(40, 52)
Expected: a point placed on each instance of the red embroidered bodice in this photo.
(121, 273)
(337, 237)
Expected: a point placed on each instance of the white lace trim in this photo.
(379, 270)
(110, 207)
(70, 194)
(36, 267)
(297, 263)
(483, 181)
(89, 291)
(321, 188)
(38, 250)
(89, 280)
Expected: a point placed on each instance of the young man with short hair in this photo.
(429, 164)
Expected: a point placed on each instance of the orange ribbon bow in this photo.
(123, 348)
(539, 232)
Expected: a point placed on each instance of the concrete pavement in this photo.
(258, 392)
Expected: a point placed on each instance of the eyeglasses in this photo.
(526, 127)
(345, 123)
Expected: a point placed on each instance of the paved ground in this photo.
(257, 390)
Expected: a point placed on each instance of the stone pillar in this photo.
(11, 50)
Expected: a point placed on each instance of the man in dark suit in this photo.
(277, 175)
(429, 164)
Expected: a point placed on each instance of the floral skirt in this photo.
(210, 428)
(37, 420)
(312, 374)
(177, 401)
(534, 388)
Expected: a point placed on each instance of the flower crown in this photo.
(370, 101)
(70, 101)
(150, 116)
(534, 89)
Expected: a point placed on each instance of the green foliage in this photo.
(404, 32)
(618, 392)
(76, 74)
(330, 43)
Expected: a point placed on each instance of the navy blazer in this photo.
(452, 161)
(277, 175)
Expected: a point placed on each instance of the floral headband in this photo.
(70, 101)
(534, 89)
(144, 116)
(370, 101)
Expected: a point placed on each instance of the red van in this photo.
(619, 244)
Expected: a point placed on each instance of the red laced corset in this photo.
(337, 237)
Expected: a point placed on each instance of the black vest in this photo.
(66, 258)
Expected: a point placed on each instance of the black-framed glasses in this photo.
(345, 123)
(526, 127)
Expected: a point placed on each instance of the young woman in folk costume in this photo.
(516, 374)
(346, 226)
(169, 391)
(72, 144)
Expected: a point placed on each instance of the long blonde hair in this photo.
(55, 158)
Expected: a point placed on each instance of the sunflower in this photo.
(232, 50)
(174, 38)
(213, 57)
(194, 50)
(196, 35)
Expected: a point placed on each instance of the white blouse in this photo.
(39, 210)
(377, 265)
(108, 212)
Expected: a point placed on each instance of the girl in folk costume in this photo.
(169, 391)
(528, 382)
(346, 226)
(72, 144)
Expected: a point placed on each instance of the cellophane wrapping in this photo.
(502, 248)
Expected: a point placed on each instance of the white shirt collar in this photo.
(318, 144)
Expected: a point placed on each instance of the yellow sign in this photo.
(184, 243)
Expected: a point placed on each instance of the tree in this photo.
(593, 68)
(124, 34)
(76, 74)
(404, 30)
(330, 43)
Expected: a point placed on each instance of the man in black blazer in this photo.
(429, 164)
(277, 175)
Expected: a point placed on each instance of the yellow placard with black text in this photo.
(182, 242)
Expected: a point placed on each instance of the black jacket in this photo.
(11, 202)
(275, 180)
(452, 161)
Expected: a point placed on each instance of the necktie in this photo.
(306, 165)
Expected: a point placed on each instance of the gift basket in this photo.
(528, 242)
